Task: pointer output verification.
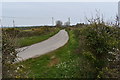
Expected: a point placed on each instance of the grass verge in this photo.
(61, 63)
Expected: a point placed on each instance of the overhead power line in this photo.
(23, 17)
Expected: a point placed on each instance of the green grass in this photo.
(64, 62)
(26, 41)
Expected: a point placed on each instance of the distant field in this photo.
(26, 41)
(30, 35)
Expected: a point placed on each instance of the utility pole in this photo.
(13, 23)
(53, 21)
(119, 13)
(69, 20)
(1, 22)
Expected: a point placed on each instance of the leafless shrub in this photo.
(9, 55)
(98, 19)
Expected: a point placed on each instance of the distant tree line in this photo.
(60, 24)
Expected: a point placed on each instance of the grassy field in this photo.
(26, 41)
(90, 53)
(61, 63)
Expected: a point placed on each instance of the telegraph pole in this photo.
(69, 20)
(53, 21)
(119, 13)
(1, 22)
(13, 23)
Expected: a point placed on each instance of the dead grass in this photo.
(54, 60)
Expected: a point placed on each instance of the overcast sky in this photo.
(60, 0)
(41, 13)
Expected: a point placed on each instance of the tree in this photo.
(59, 23)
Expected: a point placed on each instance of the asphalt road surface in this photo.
(35, 50)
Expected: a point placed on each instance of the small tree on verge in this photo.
(59, 23)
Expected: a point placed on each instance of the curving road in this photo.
(53, 43)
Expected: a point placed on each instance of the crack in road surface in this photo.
(53, 43)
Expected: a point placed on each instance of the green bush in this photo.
(97, 42)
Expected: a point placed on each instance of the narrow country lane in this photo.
(53, 43)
